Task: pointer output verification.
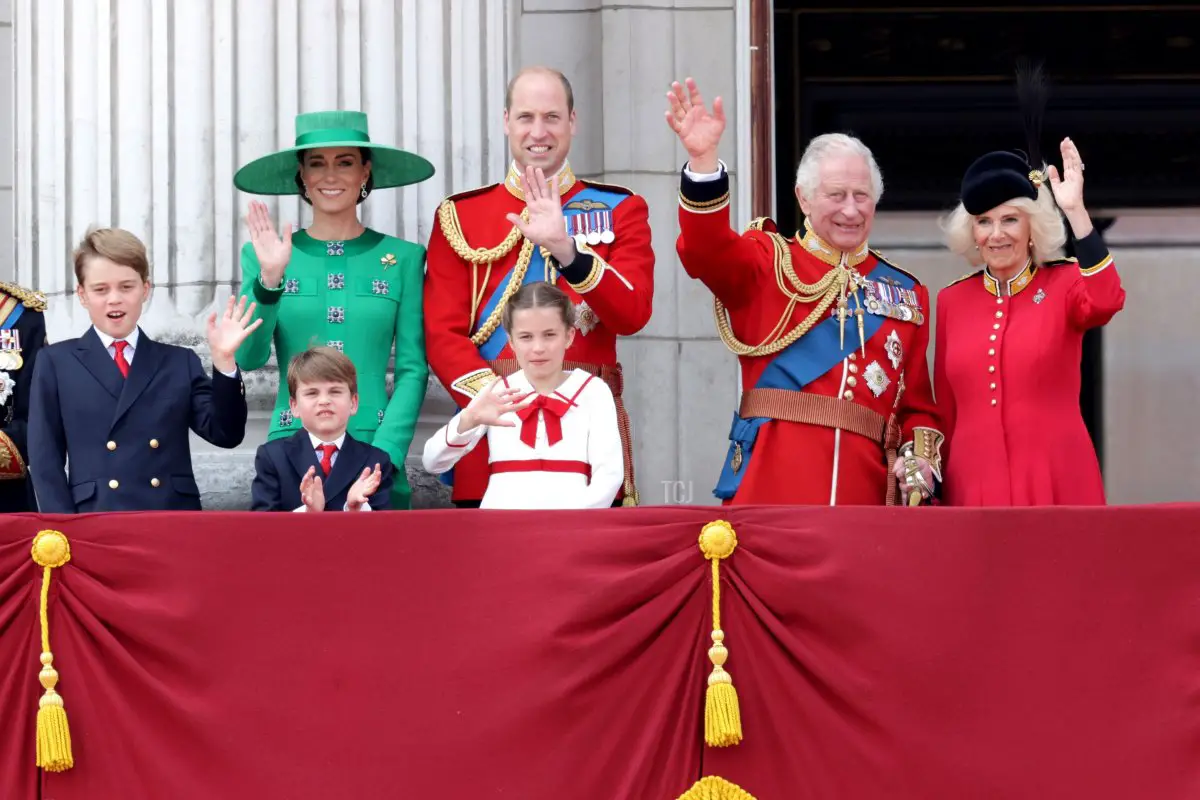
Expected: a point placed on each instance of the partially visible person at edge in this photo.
(22, 336)
(837, 407)
(540, 224)
(1010, 336)
(339, 283)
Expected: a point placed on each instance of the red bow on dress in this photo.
(529, 419)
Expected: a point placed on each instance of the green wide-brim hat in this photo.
(276, 173)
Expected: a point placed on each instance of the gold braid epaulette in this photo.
(452, 230)
(35, 301)
(824, 293)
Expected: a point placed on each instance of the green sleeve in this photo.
(255, 351)
(411, 371)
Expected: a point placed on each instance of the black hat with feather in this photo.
(1004, 175)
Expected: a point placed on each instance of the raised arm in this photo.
(264, 259)
(711, 251)
(1097, 294)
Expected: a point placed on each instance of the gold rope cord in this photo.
(452, 230)
(514, 283)
(824, 292)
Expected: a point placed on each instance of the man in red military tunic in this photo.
(591, 240)
(837, 406)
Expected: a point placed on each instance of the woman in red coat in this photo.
(1009, 338)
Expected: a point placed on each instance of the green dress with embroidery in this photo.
(359, 296)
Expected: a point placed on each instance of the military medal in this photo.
(877, 380)
(591, 227)
(585, 318)
(10, 349)
(885, 298)
(1039, 296)
(894, 349)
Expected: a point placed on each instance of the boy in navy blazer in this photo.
(111, 410)
(321, 468)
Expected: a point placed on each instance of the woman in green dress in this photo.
(339, 283)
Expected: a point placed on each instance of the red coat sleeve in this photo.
(451, 355)
(1096, 295)
(917, 409)
(728, 264)
(619, 285)
(943, 394)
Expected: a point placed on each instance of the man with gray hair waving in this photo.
(837, 407)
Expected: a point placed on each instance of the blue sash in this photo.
(588, 199)
(13, 317)
(796, 366)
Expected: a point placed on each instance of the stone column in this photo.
(145, 128)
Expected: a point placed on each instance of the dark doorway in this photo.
(929, 89)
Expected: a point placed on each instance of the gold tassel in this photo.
(50, 550)
(714, 788)
(722, 717)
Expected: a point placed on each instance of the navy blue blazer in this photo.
(280, 465)
(124, 441)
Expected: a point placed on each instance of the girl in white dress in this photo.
(553, 440)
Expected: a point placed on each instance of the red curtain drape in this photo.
(893, 653)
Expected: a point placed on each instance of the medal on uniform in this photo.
(592, 225)
(1039, 296)
(877, 380)
(885, 298)
(10, 349)
(895, 350)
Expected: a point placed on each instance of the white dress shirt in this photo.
(131, 342)
(316, 446)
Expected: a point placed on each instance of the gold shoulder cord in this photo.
(452, 230)
(824, 292)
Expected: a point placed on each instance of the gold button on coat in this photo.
(154, 482)
(111, 445)
(154, 442)
(849, 395)
(852, 381)
(113, 484)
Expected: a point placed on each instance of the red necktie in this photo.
(122, 364)
(327, 451)
(552, 410)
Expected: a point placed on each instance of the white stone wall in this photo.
(144, 129)
(8, 265)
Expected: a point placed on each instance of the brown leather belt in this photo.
(611, 375)
(828, 412)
